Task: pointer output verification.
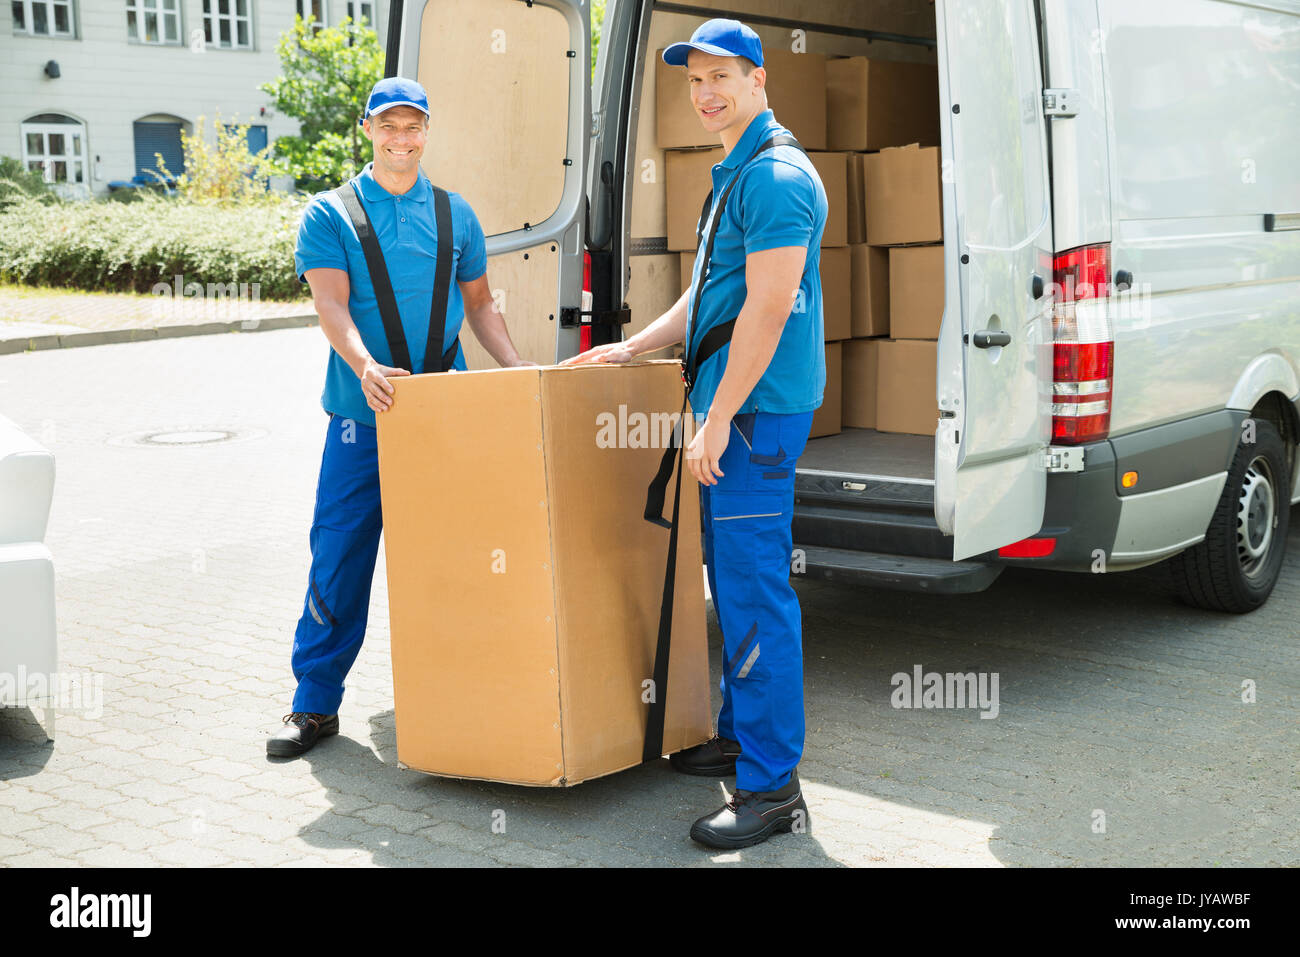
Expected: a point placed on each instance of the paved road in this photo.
(180, 576)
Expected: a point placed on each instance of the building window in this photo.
(43, 18)
(55, 145)
(362, 11)
(254, 135)
(228, 24)
(153, 21)
(312, 13)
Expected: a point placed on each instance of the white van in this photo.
(1147, 149)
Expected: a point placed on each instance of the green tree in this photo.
(597, 27)
(325, 79)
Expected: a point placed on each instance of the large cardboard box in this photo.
(689, 175)
(871, 104)
(869, 282)
(687, 267)
(524, 583)
(826, 420)
(901, 193)
(796, 95)
(859, 371)
(915, 292)
(856, 214)
(905, 394)
(836, 286)
(832, 169)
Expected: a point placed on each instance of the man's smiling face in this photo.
(399, 134)
(721, 92)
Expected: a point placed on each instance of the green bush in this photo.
(17, 183)
(130, 247)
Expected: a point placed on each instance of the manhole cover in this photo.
(191, 437)
(186, 436)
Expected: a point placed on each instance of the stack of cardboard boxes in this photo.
(796, 93)
(871, 127)
(887, 114)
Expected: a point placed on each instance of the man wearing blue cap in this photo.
(756, 370)
(379, 254)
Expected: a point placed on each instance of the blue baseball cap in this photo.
(721, 38)
(396, 91)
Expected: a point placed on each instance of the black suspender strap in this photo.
(653, 748)
(673, 459)
(719, 335)
(441, 284)
(378, 269)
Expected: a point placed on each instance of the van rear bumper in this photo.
(1081, 514)
(1087, 511)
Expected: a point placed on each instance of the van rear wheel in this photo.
(1235, 567)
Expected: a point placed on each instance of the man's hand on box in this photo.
(704, 453)
(376, 387)
(521, 363)
(614, 352)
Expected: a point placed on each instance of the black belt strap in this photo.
(710, 343)
(351, 199)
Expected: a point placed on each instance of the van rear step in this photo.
(900, 572)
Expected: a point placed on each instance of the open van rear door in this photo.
(994, 364)
(510, 113)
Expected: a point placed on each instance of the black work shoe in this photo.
(300, 733)
(751, 817)
(714, 758)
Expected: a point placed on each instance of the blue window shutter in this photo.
(256, 139)
(164, 138)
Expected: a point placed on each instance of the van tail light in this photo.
(584, 331)
(1083, 346)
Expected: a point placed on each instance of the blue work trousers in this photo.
(344, 544)
(747, 548)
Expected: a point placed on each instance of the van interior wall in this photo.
(656, 279)
(507, 99)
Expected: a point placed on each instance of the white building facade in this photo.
(90, 90)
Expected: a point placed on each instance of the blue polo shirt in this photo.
(408, 236)
(778, 201)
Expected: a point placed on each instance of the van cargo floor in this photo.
(868, 452)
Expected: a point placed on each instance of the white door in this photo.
(510, 103)
(995, 352)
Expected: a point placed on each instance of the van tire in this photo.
(1232, 570)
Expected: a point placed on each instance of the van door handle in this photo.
(986, 338)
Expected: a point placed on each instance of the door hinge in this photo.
(1062, 458)
(1061, 102)
(570, 317)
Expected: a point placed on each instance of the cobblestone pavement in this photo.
(181, 574)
